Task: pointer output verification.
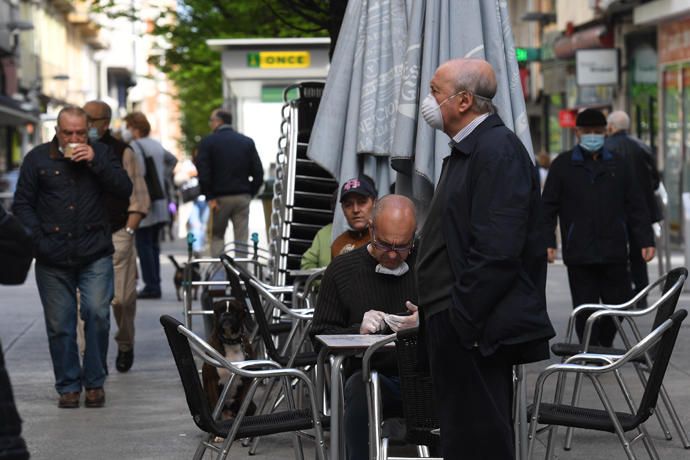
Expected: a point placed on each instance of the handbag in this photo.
(190, 190)
(151, 176)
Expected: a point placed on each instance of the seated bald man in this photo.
(359, 291)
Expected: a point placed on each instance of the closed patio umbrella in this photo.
(387, 52)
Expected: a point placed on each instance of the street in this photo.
(146, 416)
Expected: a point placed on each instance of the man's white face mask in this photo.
(431, 110)
(400, 270)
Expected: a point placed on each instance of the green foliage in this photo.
(193, 67)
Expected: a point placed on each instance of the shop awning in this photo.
(11, 113)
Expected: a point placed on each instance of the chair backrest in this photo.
(238, 275)
(664, 349)
(674, 279)
(416, 390)
(189, 375)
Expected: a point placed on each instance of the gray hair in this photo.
(71, 110)
(618, 120)
(482, 87)
(106, 110)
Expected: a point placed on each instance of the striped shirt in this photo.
(467, 130)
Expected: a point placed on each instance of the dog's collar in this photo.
(225, 341)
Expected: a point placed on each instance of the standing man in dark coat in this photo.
(230, 174)
(481, 267)
(594, 194)
(60, 199)
(646, 178)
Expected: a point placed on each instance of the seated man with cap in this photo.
(357, 197)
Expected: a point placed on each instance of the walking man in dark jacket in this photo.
(594, 194)
(59, 198)
(481, 266)
(125, 216)
(230, 174)
(646, 178)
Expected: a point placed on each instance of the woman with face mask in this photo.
(594, 194)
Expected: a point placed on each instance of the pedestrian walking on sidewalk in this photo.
(593, 194)
(60, 199)
(230, 174)
(125, 216)
(148, 235)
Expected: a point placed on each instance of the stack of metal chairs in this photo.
(303, 190)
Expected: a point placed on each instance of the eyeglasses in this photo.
(91, 120)
(387, 247)
(79, 133)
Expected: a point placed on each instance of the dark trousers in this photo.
(149, 250)
(638, 266)
(599, 283)
(12, 446)
(473, 396)
(356, 417)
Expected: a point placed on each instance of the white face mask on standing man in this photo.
(431, 110)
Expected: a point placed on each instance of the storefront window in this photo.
(673, 142)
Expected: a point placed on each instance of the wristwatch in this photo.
(129, 230)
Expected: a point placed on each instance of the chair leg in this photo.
(648, 443)
(659, 415)
(567, 444)
(670, 408)
(612, 414)
(201, 448)
(297, 446)
(423, 452)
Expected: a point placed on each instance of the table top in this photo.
(351, 341)
(303, 273)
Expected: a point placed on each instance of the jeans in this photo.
(149, 250)
(197, 224)
(356, 417)
(58, 290)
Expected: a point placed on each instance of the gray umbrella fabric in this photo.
(387, 53)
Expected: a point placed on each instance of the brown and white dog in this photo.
(230, 339)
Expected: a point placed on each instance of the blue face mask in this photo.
(592, 142)
(93, 134)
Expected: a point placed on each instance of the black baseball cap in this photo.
(360, 185)
(589, 118)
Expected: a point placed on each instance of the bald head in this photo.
(397, 209)
(394, 222)
(98, 109)
(618, 121)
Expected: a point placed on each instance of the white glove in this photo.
(397, 323)
(372, 322)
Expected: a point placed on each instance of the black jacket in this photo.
(226, 162)
(644, 164)
(496, 251)
(595, 202)
(62, 204)
(15, 250)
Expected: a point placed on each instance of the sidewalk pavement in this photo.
(146, 416)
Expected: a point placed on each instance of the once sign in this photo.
(279, 59)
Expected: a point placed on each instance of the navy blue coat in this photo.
(62, 203)
(496, 249)
(595, 202)
(226, 162)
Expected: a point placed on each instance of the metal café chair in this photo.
(608, 419)
(184, 344)
(420, 417)
(671, 284)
